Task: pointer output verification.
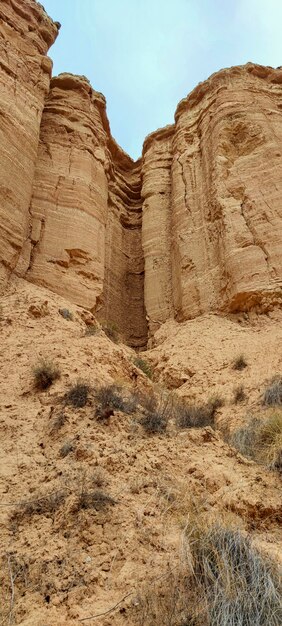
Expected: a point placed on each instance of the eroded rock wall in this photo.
(26, 33)
(224, 197)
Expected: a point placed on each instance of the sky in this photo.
(146, 55)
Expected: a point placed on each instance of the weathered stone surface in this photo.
(26, 33)
(223, 226)
(194, 226)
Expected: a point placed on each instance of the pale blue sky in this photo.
(145, 55)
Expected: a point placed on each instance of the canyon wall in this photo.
(26, 34)
(193, 226)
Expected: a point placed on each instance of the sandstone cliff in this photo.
(192, 227)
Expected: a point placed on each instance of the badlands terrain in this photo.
(140, 335)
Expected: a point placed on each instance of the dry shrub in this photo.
(77, 396)
(45, 373)
(273, 393)
(110, 329)
(156, 413)
(91, 330)
(57, 423)
(41, 505)
(239, 363)
(96, 499)
(239, 394)
(143, 366)
(190, 416)
(222, 580)
(110, 399)
(261, 439)
(66, 448)
(66, 314)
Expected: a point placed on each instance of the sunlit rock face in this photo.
(193, 226)
(26, 33)
(212, 186)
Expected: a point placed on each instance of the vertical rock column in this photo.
(26, 33)
(156, 226)
(70, 196)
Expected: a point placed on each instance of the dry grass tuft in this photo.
(261, 439)
(273, 393)
(96, 499)
(143, 366)
(45, 373)
(239, 394)
(239, 363)
(77, 396)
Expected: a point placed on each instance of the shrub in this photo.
(66, 448)
(110, 329)
(97, 500)
(143, 366)
(66, 314)
(77, 396)
(189, 416)
(45, 373)
(222, 581)
(240, 585)
(110, 399)
(40, 505)
(156, 415)
(260, 439)
(273, 393)
(239, 363)
(91, 330)
(239, 394)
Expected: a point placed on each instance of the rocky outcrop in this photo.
(26, 33)
(193, 226)
(86, 211)
(215, 177)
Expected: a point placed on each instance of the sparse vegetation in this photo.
(1, 313)
(66, 314)
(40, 505)
(236, 585)
(110, 399)
(143, 366)
(91, 330)
(57, 423)
(45, 373)
(96, 499)
(261, 439)
(192, 416)
(273, 393)
(66, 448)
(239, 394)
(239, 363)
(156, 415)
(111, 330)
(77, 396)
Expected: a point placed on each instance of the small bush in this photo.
(66, 448)
(57, 423)
(143, 366)
(77, 396)
(260, 439)
(42, 505)
(190, 416)
(110, 399)
(239, 363)
(239, 394)
(110, 329)
(91, 330)
(273, 393)
(156, 415)
(66, 314)
(240, 585)
(97, 500)
(45, 373)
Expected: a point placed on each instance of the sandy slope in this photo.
(74, 562)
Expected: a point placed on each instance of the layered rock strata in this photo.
(26, 34)
(193, 226)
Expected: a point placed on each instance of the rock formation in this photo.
(192, 227)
